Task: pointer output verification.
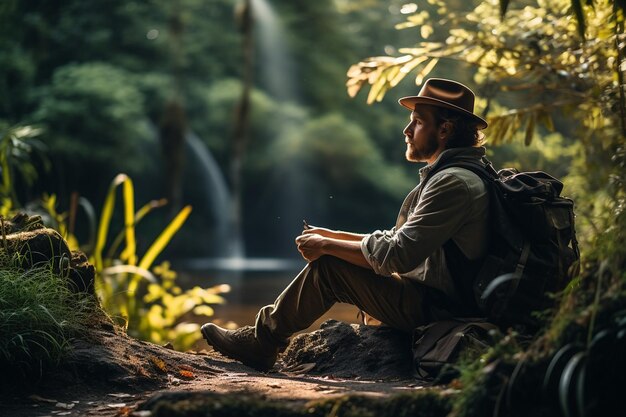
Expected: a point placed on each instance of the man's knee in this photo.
(334, 274)
(326, 262)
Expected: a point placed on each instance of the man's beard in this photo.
(424, 151)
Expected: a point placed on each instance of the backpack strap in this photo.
(463, 271)
(489, 175)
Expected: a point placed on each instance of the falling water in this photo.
(278, 78)
(229, 245)
(276, 67)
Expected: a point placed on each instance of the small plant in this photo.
(38, 316)
(145, 300)
(17, 145)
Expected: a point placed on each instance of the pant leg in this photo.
(397, 302)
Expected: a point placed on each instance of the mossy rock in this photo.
(26, 239)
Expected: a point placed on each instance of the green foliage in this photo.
(146, 300)
(165, 306)
(16, 148)
(479, 377)
(340, 152)
(38, 316)
(98, 75)
(121, 127)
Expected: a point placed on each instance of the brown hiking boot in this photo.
(241, 345)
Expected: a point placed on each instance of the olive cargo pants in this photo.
(397, 302)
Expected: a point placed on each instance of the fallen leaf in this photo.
(159, 363)
(116, 405)
(186, 374)
(123, 412)
(64, 413)
(64, 406)
(186, 367)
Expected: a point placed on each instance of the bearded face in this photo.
(421, 135)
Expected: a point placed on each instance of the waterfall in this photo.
(277, 68)
(227, 243)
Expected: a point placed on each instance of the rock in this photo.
(22, 222)
(350, 350)
(37, 245)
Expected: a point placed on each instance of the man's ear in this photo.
(446, 129)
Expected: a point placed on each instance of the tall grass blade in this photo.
(141, 213)
(159, 244)
(130, 253)
(105, 220)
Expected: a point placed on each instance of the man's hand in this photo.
(318, 241)
(310, 245)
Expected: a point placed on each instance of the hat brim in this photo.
(411, 101)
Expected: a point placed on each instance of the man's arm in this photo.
(335, 234)
(313, 245)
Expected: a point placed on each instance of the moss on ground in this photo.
(427, 403)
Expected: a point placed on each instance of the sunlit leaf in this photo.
(375, 89)
(203, 310)
(186, 374)
(425, 71)
(129, 269)
(129, 222)
(141, 213)
(159, 244)
(159, 363)
(426, 31)
(105, 219)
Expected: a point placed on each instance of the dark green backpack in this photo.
(533, 249)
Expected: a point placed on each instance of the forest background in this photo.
(110, 83)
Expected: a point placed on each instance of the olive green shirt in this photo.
(453, 204)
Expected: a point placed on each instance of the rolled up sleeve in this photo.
(439, 214)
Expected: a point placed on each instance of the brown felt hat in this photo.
(447, 94)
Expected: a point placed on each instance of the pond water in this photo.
(254, 283)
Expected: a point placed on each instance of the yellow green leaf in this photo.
(159, 244)
(425, 71)
(105, 219)
(129, 221)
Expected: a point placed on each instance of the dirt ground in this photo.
(111, 374)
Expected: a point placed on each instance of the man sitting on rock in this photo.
(403, 276)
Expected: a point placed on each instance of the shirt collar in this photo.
(472, 153)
